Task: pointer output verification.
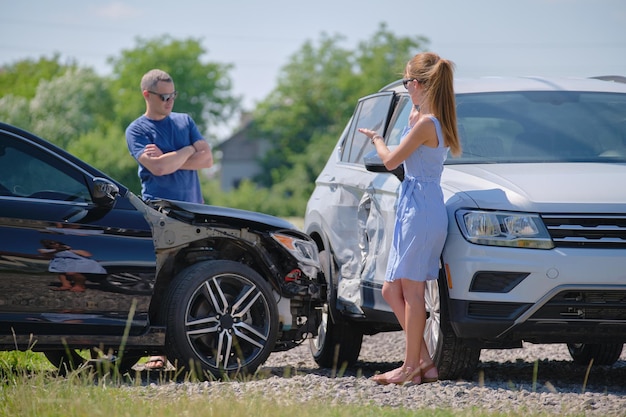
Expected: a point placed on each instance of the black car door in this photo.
(67, 264)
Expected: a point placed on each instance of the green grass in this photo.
(31, 387)
(43, 397)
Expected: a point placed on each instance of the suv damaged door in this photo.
(359, 254)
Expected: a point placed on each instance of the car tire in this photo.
(337, 344)
(452, 356)
(602, 354)
(69, 360)
(221, 319)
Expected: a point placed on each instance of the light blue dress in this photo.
(421, 220)
(68, 261)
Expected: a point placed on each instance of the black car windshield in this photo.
(541, 126)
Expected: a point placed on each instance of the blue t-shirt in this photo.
(172, 133)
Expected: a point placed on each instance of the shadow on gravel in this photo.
(551, 375)
(360, 369)
(562, 375)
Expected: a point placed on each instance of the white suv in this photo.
(536, 247)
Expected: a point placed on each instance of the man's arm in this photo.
(202, 158)
(159, 163)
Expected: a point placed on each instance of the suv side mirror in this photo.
(373, 163)
(104, 192)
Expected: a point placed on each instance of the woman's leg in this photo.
(414, 321)
(65, 283)
(406, 299)
(79, 281)
(392, 293)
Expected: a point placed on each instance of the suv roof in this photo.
(527, 83)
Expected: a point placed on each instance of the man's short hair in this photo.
(151, 78)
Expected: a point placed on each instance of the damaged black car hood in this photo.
(216, 215)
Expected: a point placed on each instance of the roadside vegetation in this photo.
(31, 387)
(302, 117)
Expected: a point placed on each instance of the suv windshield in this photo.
(538, 126)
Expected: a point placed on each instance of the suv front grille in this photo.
(587, 231)
(585, 305)
(502, 311)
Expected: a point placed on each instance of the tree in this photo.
(70, 105)
(18, 86)
(204, 88)
(63, 108)
(14, 110)
(88, 114)
(21, 78)
(105, 148)
(315, 95)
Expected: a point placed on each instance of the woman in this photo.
(70, 264)
(421, 221)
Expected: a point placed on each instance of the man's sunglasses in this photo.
(165, 97)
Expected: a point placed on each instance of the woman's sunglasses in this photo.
(406, 81)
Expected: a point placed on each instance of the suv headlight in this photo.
(501, 228)
(304, 251)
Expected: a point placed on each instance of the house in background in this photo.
(240, 155)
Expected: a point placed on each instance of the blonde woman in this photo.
(421, 220)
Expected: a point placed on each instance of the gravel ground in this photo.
(503, 382)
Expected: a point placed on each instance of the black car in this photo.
(87, 266)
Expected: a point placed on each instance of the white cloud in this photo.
(117, 10)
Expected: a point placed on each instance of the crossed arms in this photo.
(190, 157)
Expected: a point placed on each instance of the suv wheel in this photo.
(223, 315)
(68, 360)
(454, 358)
(602, 354)
(337, 344)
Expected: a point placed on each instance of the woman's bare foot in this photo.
(78, 288)
(61, 288)
(399, 376)
(384, 379)
(407, 375)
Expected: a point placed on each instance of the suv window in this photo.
(371, 113)
(400, 122)
(531, 126)
(26, 171)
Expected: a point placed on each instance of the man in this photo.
(167, 145)
(169, 149)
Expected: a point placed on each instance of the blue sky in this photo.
(483, 37)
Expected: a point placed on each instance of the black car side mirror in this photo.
(373, 163)
(104, 192)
